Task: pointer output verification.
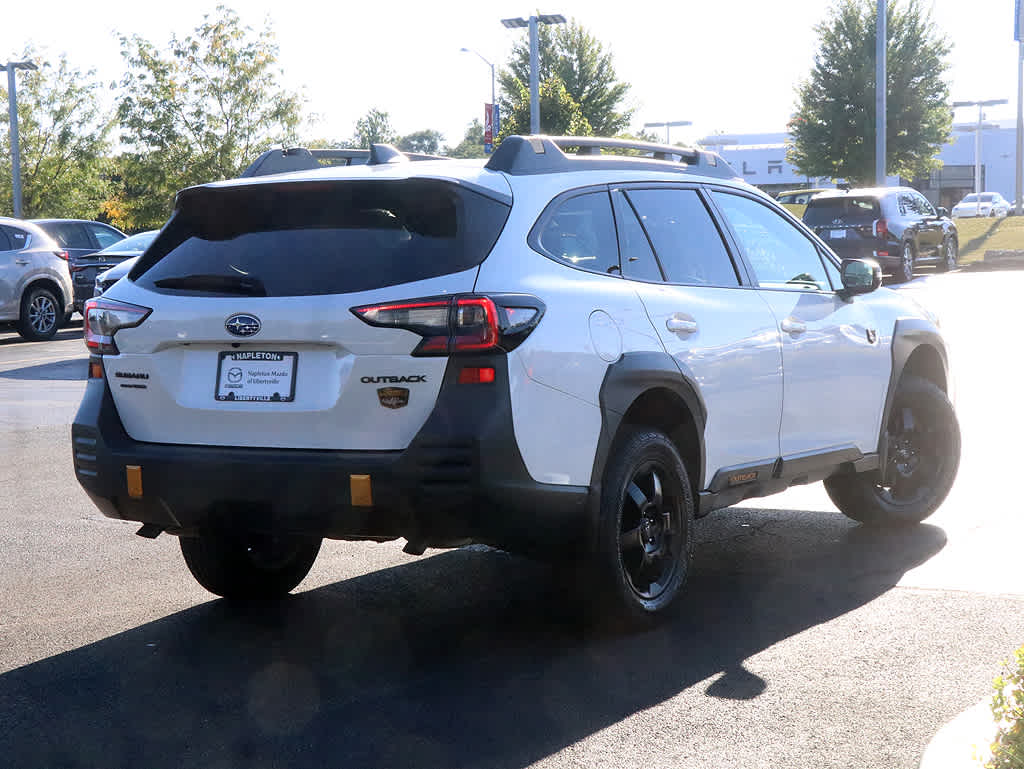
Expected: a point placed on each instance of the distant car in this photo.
(114, 262)
(798, 197)
(982, 204)
(35, 284)
(896, 226)
(81, 238)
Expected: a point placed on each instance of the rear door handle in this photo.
(21, 261)
(792, 326)
(680, 326)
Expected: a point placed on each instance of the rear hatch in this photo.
(251, 340)
(847, 223)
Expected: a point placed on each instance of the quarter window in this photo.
(686, 240)
(781, 256)
(581, 232)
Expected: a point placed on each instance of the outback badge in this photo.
(393, 397)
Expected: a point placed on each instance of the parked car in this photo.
(35, 284)
(982, 204)
(568, 357)
(896, 226)
(81, 238)
(798, 197)
(106, 267)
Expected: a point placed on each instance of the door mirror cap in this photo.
(860, 276)
(943, 213)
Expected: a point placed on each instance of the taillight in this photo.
(459, 324)
(103, 317)
(62, 254)
(881, 228)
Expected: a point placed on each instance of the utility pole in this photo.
(1019, 202)
(881, 47)
(531, 23)
(977, 136)
(12, 104)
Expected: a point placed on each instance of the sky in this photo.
(729, 66)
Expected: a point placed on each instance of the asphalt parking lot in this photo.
(803, 639)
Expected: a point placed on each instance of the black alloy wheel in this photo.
(649, 532)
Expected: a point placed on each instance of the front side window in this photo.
(104, 235)
(685, 238)
(581, 232)
(781, 255)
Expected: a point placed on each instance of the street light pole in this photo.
(881, 48)
(977, 136)
(494, 105)
(531, 23)
(1020, 129)
(667, 125)
(12, 104)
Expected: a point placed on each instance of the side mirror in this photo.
(943, 213)
(860, 276)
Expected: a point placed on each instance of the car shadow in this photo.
(72, 331)
(472, 657)
(75, 369)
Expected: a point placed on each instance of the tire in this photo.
(40, 315)
(66, 320)
(644, 541)
(923, 457)
(948, 257)
(243, 565)
(905, 271)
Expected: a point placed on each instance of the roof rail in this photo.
(280, 161)
(520, 155)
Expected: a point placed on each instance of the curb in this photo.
(962, 743)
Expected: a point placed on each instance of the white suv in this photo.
(553, 354)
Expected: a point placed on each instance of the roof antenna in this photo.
(385, 153)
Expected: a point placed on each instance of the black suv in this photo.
(897, 226)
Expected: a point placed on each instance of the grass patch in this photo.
(980, 235)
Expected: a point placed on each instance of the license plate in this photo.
(256, 375)
(837, 234)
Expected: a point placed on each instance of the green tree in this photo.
(560, 115)
(427, 141)
(472, 144)
(63, 142)
(374, 128)
(833, 129)
(200, 111)
(572, 54)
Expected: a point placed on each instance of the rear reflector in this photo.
(95, 368)
(361, 490)
(133, 475)
(476, 375)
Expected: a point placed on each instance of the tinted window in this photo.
(779, 253)
(685, 238)
(923, 206)
(297, 239)
(638, 262)
(845, 210)
(581, 231)
(105, 236)
(68, 234)
(5, 242)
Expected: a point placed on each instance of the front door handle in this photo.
(681, 326)
(793, 326)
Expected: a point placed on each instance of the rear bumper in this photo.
(461, 479)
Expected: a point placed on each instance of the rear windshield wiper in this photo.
(224, 284)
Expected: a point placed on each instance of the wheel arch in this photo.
(648, 389)
(49, 284)
(917, 350)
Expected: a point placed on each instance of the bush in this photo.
(1008, 710)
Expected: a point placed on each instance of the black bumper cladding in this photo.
(461, 479)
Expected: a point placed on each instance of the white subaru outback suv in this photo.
(551, 353)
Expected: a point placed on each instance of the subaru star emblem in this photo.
(242, 325)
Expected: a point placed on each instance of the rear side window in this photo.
(68, 234)
(845, 210)
(686, 240)
(581, 231)
(304, 239)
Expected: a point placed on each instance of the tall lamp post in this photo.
(12, 103)
(977, 136)
(494, 105)
(532, 22)
(668, 125)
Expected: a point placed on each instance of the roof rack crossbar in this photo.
(521, 155)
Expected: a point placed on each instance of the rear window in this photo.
(304, 239)
(841, 210)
